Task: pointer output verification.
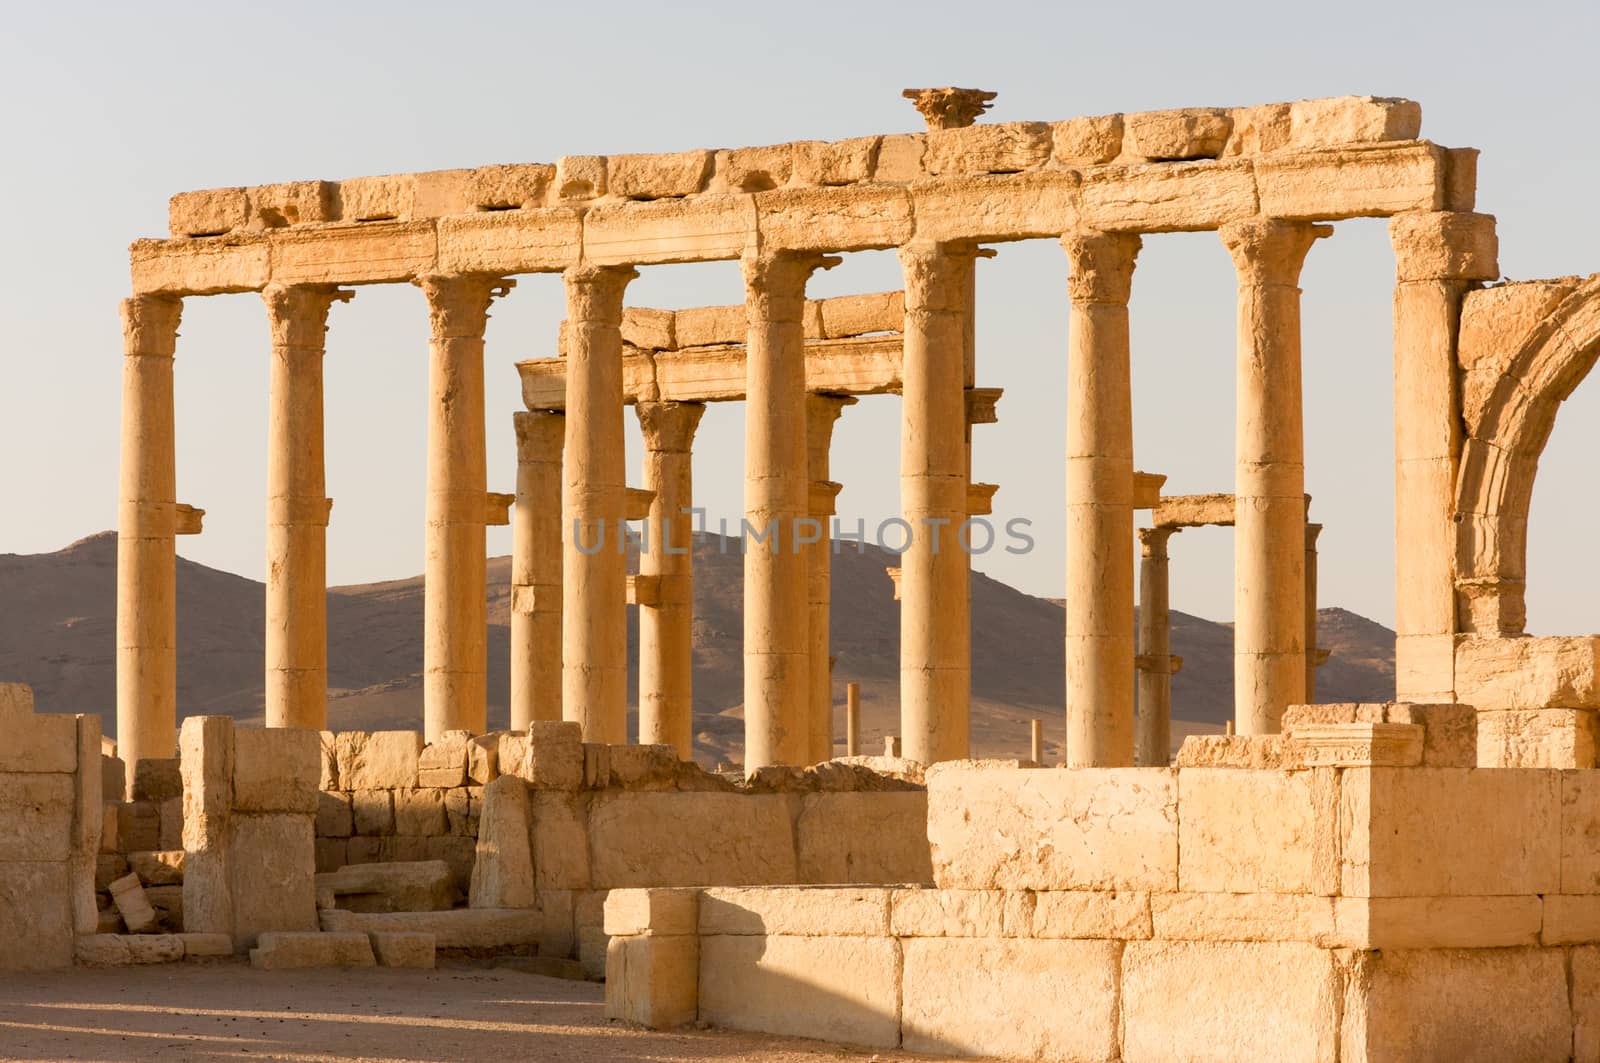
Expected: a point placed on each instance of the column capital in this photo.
(775, 282)
(668, 427)
(1312, 531)
(458, 304)
(1100, 266)
(938, 275)
(298, 313)
(822, 410)
(1153, 541)
(1444, 245)
(594, 293)
(541, 434)
(1270, 250)
(150, 325)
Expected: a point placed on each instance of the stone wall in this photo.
(50, 813)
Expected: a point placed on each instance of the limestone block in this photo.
(364, 850)
(47, 742)
(207, 891)
(1401, 832)
(330, 761)
(459, 811)
(1009, 998)
(511, 753)
(857, 315)
(102, 950)
(292, 203)
(460, 928)
(1356, 745)
(502, 875)
(1537, 738)
(1244, 831)
(752, 169)
(160, 868)
(132, 904)
(653, 911)
(1570, 919)
(869, 837)
(1122, 915)
(381, 760)
(653, 979)
(1087, 141)
(483, 758)
(1241, 916)
(698, 229)
(1495, 322)
(459, 853)
(16, 699)
(169, 817)
(373, 811)
(1172, 136)
(1246, 1000)
(1529, 673)
(1045, 203)
(1168, 197)
(271, 866)
(646, 329)
(1259, 752)
(36, 918)
(555, 756)
(275, 769)
(581, 176)
(113, 778)
(377, 252)
(443, 762)
(842, 162)
(334, 816)
(690, 839)
(854, 219)
(509, 187)
(206, 747)
(960, 913)
(1342, 120)
(642, 767)
(1450, 732)
(1006, 147)
(233, 263)
(556, 928)
(510, 241)
(658, 176)
(1258, 129)
(384, 198)
(1090, 828)
(36, 816)
(420, 812)
(209, 212)
(559, 840)
(293, 950)
(1436, 922)
(398, 948)
(402, 847)
(804, 912)
(406, 886)
(1330, 185)
(197, 945)
(1445, 244)
(841, 989)
(155, 948)
(138, 826)
(1462, 1005)
(706, 325)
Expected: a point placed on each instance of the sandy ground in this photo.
(228, 1011)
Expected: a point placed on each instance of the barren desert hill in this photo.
(58, 617)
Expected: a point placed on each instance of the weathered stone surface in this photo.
(690, 839)
(373, 811)
(1436, 922)
(483, 758)
(1164, 197)
(653, 979)
(1580, 832)
(40, 743)
(169, 817)
(379, 760)
(443, 762)
(1195, 1000)
(652, 911)
(1529, 673)
(1087, 141)
(128, 895)
(1091, 828)
(282, 951)
(1342, 184)
(102, 950)
(840, 162)
(411, 886)
(402, 948)
(113, 778)
(272, 867)
(139, 826)
(334, 816)
(1467, 1005)
(206, 748)
(1241, 916)
(1537, 738)
(155, 948)
(36, 923)
(36, 816)
(1123, 915)
(872, 837)
(502, 875)
(276, 769)
(1258, 752)
(1585, 1005)
(1356, 745)
(1248, 831)
(559, 841)
(1006, 147)
(960, 913)
(197, 945)
(1342, 120)
(160, 868)
(16, 699)
(156, 779)
(555, 756)
(1450, 732)
(420, 812)
(658, 176)
(460, 928)
(804, 912)
(843, 989)
(1009, 998)
(1177, 135)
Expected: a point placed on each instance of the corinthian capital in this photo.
(775, 282)
(1270, 250)
(298, 313)
(594, 293)
(458, 305)
(150, 325)
(1100, 266)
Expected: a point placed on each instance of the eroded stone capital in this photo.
(1444, 245)
(298, 313)
(150, 325)
(822, 412)
(1153, 541)
(541, 434)
(458, 305)
(949, 107)
(1312, 532)
(775, 283)
(668, 427)
(1100, 266)
(938, 277)
(1270, 250)
(594, 293)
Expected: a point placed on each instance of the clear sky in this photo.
(110, 108)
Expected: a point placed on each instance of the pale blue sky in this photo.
(113, 107)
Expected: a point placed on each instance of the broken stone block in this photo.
(1163, 136)
(458, 810)
(102, 950)
(276, 769)
(502, 874)
(1087, 141)
(483, 759)
(401, 948)
(417, 886)
(658, 176)
(16, 699)
(109, 818)
(157, 779)
(580, 177)
(288, 950)
(168, 903)
(131, 902)
(1006, 147)
(158, 868)
(155, 948)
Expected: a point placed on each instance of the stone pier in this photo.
(536, 569)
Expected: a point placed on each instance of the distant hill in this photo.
(57, 632)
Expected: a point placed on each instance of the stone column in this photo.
(1438, 258)
(777, 490)
(455, 589)
(666, 633)
(147, 618)
(1269, 652)
(594, 606)
(935, 597)
(536, 569)
(296, 630)
(1099, 609)
(1154, 731)
(1313, 655)
(822, 411)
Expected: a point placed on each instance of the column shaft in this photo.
(296, 630)
(147, 618)
(536, 569)
(455, 613)
(666, 627)
(1154, 732)
(1099, 620)
(935, 626)
(1269, 486)
(822, 411)
(1313, 655)
(594, 609)
(777, 658)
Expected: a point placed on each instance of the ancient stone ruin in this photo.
(1412, 880)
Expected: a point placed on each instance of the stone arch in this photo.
(1523, 349)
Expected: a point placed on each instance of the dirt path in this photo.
(189, 1012)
